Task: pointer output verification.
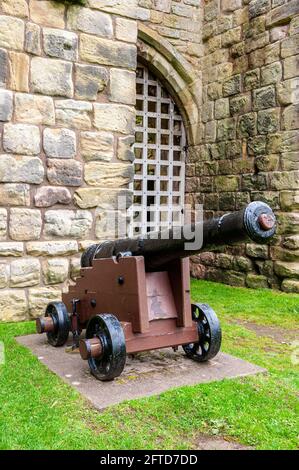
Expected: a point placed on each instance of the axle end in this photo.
(90, 348)
(44, 325)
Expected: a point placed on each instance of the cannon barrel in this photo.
(255, 221)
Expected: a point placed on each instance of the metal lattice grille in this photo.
(159, 180)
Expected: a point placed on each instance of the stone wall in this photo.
(67, 95)
(250, 144)
(179, 21)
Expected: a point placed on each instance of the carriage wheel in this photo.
(62, 325)
(209, 332)
(111, 361)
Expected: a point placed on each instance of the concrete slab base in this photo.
(146, 374)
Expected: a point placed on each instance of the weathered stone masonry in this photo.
(250, 143)
(67, 95)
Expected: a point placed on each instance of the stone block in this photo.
(284, 13)
(284, 180)
(15, 8)
(271, 73)
(257, 251)
(59, 143)
(76, 114)
(12, 32)
(288, 91)
(13, 306)
(256, 282)
(258, 7)
(290, 285)
(25, 224)
(90, 81)
(289, 46)
(291, 66)
(226, 129)
(226, 183)
(47, 13)
(21, 139)
(251, 79)
(281, 254)
(126, 30)
(75, 268)
(87, 198)
(4, 275)
(34, 109)
(110, 224)
(11, 249)
(6, 105)
(268, 121)
(288, 223)
(212, 9)
(232, 86)
(3, 67)
(3, 223)
(290, 117)
(107, 52)
(240, 104)
(51, 77)
(272, 53)
(256, 145)
(278, 33)
(97, 146)
(19, 169)
(18, 71)
(254, 182)
(90, 21)
(292, 242)
(55, 270)
(24, 272)
(247, 125)
(267, 162)
(210, 131)
(284, 269)
(255, 46)
(47, 196)
(289, 142)
(64, 172)
(122, 86)
(289, 200)
(12, 194)
(39, 297)
(61, 44)
(222, 108)
(124, 148)
(290, 161)
(108, 175)
(234, 278)
(231, 5)
(52, 248)
(230, 37)
(32, 39)
(264, 98)
(67, 223)
(114, 117)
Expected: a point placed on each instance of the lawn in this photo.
(39, 411)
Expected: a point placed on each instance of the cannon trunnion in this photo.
(134, 295)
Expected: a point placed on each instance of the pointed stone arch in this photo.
(176, 74)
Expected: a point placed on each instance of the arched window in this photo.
(159, 179)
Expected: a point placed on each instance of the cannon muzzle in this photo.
(256, 222)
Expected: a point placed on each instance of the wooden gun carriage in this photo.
(134, 294)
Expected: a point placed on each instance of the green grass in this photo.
(39, 411)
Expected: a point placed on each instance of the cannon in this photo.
(133, 294)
